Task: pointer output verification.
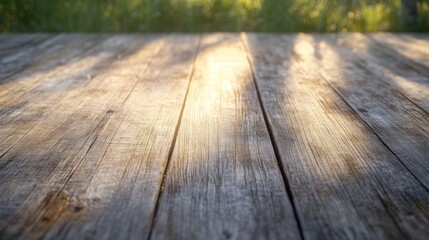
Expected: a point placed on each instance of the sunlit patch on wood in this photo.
(216, 136)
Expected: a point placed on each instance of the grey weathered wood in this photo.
(17, 59)
(223, 181)
(88, 123)
(399, 123)
(410, 46)
(128, 178)
(358, 49)
(31, 95)
(46, 156)
(415, 56)
(67, 53)
(12, 43)
(119, 169)
(345, 183)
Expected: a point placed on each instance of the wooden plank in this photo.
(345, 183)
(128, 179)
(113, 188)
(415, 56)
(47, 155)
(17, 60)
(358, 49)
(12, 43)
(9, 41)
(399, 123)
(38, 70)
(223, 180)
(405, 43)
(31, 95)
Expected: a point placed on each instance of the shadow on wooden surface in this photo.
(225, 136)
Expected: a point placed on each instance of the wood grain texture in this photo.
(46, 156)
(28, 97)
(17, 59)
(228, 136)
(127, 179)
(223, 181)
(345, 183)
(114, 175)
(66, 55)
(359, 50)
(398, 122)
(414, 55)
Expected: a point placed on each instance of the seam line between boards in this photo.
(274, 143)
(373, 131)
(173, 143)
(96, 132)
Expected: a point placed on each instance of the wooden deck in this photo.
(215, 136)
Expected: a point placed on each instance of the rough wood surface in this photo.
(117, 132)
(126, 182)
(414, 55)
(16, 59)
(223, 181)
(345, 183)
(224, 136)
(397, 121)
(56, 142)
(400, 77)
(31, 95)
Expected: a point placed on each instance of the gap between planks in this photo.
(273, 140)
(173, 143)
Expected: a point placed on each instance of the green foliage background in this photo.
(208, 15)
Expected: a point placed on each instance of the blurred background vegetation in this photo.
(213, 15)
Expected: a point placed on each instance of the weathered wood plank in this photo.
(223, 181)
(415, 56)
(358, 49)
(397, 121)
(128, 178)
(345, 183)
(16, 59)
(46, 157)
(42, 69)
(31, 95)
(115, 184)
(12, 43)
(88, 123)
(405, 43)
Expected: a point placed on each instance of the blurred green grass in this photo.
(208, 15)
